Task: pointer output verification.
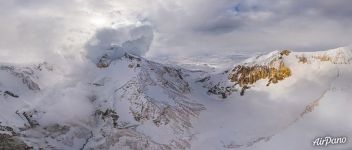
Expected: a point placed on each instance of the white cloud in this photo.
(252, 25)
(115, 42)
(35, 30)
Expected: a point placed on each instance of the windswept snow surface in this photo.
(275, 116)
(135, 103)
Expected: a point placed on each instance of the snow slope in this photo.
(130, 102)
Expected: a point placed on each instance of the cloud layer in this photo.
(35, 30)
(251, 25)
(115, 42)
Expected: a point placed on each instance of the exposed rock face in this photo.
(338, 56)
(8, 142)
(8, 93)
(285, 52)
(29, 116)
(108, 114)
(6, 129)
(243, 76)
(302, 59)
(104, 61)
(246, 75)
(9, 139)
(26, 74)
(223, 91)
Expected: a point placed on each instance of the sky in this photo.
(36, 30)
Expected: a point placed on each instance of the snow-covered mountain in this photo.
(281, 100)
